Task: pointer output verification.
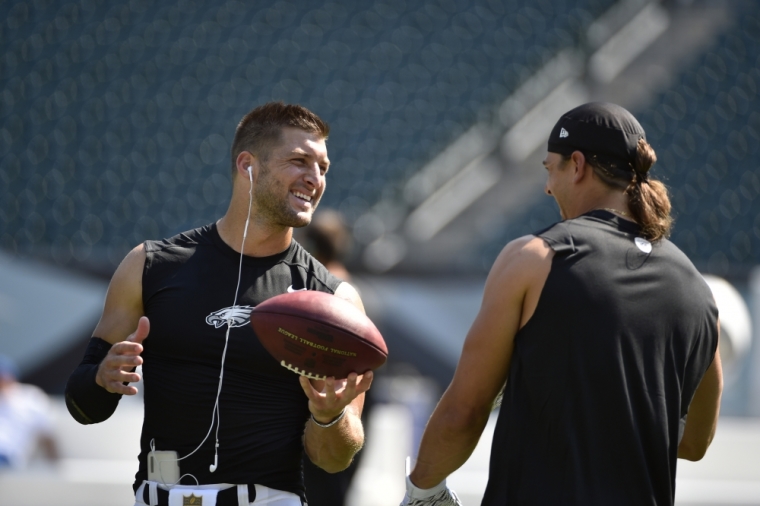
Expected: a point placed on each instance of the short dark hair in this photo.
(260, 129)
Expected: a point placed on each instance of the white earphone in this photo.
(214, 466)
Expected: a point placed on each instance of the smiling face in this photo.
(291, 181)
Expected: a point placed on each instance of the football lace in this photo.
(302, 372)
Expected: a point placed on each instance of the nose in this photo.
(546, 189)
(312, 175)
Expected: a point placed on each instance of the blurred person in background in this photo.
(26, 425)
(222, 417)
(329, 240)
(604, 332)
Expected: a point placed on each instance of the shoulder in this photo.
(559, 236)
(178, 249)
(131, 266)
(524, 252)
(521, 265)
(321, 278)
(188, 238)
(666, 248)
(299, 255)
(126, 282)
(682, 268)
(521, 261)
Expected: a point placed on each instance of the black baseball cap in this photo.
(599, 128)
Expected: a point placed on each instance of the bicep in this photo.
(123, 305)
(487, 351)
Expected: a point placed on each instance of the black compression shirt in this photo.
(188, 287)
(603, 372)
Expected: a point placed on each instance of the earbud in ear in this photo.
(250, 175)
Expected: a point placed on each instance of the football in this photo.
(316, 334)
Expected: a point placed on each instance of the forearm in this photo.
(449, 439)
(333, 448)
(702, 420)
(85, 399)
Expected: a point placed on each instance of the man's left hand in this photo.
(328, 398)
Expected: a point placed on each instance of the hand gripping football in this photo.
(317, 335)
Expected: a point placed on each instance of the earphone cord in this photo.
(229, 319)
(215, 413)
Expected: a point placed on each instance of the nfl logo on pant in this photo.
(192, 500)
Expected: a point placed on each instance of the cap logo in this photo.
(563, 133)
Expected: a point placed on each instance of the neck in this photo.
(261, 240)
(616, 202)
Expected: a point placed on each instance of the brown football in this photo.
(318, 335)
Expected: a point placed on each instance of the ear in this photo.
(580, 167)
(244, 160)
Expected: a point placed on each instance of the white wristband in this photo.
(439, 495)
(329, 424)
(415, 492)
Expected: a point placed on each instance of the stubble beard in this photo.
(272, 206)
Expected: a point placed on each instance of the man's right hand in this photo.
(122, 358)
(440, 495)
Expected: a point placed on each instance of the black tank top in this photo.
(603, 372)
(188, 287)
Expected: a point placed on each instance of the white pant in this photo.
(265, 496)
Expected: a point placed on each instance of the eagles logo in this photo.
(237, 316)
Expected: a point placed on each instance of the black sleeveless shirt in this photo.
(189, 286)
(603, 371)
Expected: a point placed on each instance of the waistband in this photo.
(157, 494)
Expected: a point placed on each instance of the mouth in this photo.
(301, 196)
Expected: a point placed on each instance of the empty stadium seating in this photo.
(116, 117)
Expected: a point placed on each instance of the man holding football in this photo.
(223, 420)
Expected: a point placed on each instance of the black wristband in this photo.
(87, 401)
(330, 423)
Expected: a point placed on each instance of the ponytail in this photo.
(648, 199)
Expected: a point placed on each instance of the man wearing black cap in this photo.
(603, 331)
